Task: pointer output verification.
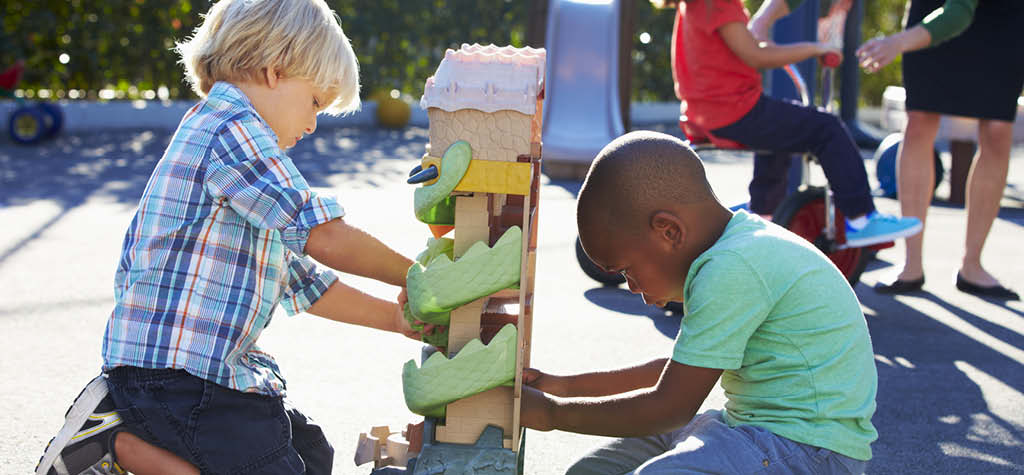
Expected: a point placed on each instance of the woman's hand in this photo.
(879, 52)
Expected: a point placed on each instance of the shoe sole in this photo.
(77, 414)
(882, 238)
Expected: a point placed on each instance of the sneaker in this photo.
(83, 445)
(880, 228)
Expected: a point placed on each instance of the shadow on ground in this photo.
(116, 165)
(929, 394)
(623, 301)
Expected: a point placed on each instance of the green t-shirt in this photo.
(772, 311)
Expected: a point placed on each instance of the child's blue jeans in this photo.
(708, 445)
(219, 430)
(786, 128)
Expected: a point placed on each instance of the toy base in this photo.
(486, 456)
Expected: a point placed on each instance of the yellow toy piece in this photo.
(490, 176)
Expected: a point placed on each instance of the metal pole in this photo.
(849, 91)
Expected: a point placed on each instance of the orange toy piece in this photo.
(439, 230)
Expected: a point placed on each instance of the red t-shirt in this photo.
(716, 87)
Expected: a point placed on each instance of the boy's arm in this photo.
(599, 383)
(345, 304)
(348, 249)
(766, 55)
(670, 404)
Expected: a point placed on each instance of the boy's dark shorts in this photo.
(219, 430)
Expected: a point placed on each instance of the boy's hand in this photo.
(401, 325)
(537, 409)
(548, 383)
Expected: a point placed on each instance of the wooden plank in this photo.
(471, 222)
(464, 325)
(524, 279)
(467, 418)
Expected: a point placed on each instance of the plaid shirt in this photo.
(216, 243)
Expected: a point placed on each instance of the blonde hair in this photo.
(239, 39)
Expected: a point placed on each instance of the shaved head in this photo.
(636, 175)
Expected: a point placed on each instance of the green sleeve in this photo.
(948, 21)
(793, 4)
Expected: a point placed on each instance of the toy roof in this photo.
(487, 78)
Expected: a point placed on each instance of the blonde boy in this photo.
(220, 238)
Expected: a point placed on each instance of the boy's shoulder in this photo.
(226, 117)
(761, 246)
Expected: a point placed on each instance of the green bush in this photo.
(125, 45)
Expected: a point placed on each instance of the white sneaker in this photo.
(83, 445)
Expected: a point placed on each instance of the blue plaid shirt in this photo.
(216, 243)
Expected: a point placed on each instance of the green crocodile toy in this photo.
(432, 203)
(435, 290)
(475, 369)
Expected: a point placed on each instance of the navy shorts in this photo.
(219, 430)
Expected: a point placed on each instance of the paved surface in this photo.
(951, 389)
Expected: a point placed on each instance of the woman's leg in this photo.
(915, 177)
(986, 183)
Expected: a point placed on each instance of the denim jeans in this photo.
(219, 430)
(708, 445)
(787, 128)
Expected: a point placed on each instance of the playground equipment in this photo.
(885, 165)
(810, 211)
(582, 110)
(484, 106)
(29, 122)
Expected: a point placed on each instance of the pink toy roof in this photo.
(487, 78)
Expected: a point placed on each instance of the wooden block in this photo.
(397, 449)
(464, 325)
(467, 418)
(367, 449)
(471, 222)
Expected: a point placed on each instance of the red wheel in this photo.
(803, 213)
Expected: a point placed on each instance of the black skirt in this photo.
(979, 73)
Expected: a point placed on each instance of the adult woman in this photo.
(962, 57)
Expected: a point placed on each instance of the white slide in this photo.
(581, 98)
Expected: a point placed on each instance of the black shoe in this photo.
(900, 286)
(83, 445)
(995, 291)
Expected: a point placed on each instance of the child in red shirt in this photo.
(716, 61)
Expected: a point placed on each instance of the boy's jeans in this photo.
(787, 128)
(217, 429)
(708, 445)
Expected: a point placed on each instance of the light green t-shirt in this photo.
(773, 312)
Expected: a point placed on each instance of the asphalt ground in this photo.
(951, 385)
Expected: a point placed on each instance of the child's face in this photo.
(648, 271)
(290, 108)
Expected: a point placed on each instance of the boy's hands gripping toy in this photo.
(442, 285)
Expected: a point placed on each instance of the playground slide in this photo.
(581, 97)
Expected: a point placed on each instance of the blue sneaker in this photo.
(881, 228)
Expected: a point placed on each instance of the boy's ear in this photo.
(668, 229)
(271, 75)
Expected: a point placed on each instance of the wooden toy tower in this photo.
(491, 97)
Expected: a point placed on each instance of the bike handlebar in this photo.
(831, 60)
